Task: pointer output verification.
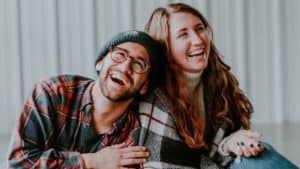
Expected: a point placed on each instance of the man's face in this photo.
(118, 81)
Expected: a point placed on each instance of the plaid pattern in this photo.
(56, 126)
(167, 150)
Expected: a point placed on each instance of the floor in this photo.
(284, 139)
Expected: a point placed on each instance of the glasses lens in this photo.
(137, 65)
(118, 56)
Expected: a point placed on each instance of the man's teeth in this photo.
(116, 79)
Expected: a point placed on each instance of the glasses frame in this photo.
(112, 49)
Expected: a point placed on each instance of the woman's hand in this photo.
(243, 143)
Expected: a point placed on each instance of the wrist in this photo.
(223, 147)
(87, 159)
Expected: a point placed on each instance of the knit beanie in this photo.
(155, 50)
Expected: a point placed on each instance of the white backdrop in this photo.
(260, 39)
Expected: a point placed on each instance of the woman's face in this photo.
(189, 41)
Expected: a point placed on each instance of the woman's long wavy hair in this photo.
(223, 98)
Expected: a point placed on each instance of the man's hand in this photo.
(119, 156)
(244, 143)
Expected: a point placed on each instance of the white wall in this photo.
(258, 38)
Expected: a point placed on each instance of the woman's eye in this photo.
(182, 35)
(200, 28)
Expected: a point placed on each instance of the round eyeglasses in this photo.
(120, 55)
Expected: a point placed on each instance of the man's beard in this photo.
(119, 98)
(109, 94)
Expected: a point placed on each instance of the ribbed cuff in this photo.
(221, 147)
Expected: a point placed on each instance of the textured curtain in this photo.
(259, 39)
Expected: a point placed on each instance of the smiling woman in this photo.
(203, 114)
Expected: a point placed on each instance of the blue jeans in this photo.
(269, 159)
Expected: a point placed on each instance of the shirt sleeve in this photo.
(31, 142)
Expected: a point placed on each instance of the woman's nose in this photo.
(196, 39)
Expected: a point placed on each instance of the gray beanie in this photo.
(155, 50)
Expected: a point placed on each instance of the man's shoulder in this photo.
(65, 81)
(67, 78)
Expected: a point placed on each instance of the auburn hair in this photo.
(223, 98)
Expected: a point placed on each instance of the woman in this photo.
(200, 118)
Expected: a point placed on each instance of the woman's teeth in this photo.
(196, 54)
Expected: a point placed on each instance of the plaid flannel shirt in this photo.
(56, 126)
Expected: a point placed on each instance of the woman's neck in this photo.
(192, 80)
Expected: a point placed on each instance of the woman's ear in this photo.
(210, 35)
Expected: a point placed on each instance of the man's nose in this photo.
(126, 66)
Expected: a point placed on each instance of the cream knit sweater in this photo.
(195, 88)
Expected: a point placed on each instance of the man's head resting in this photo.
(155, 50)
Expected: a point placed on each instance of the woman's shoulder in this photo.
(159, 99)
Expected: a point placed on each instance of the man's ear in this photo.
(99, 65)
(144, 88)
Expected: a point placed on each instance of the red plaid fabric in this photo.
(56, 126)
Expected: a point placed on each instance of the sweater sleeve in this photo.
(215, 151)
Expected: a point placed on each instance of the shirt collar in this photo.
(87, 101)
(119, 124)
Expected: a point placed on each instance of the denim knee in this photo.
(268, 159)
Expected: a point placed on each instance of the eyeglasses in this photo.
(120, 55)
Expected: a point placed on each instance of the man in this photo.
(76, 122)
